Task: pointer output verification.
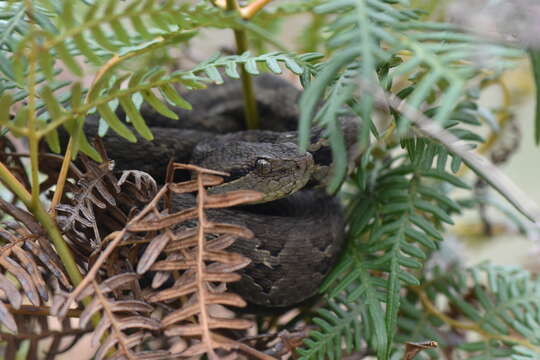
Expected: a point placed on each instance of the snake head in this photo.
(276, 170)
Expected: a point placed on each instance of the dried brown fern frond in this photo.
(29, 266)
(96, 201)
(43, 340)
(124, 320)
(191, 248)
(202, 267)
(96, 187)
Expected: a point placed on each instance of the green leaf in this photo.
(88, 149)
(102, 39)
(68, 59)
(433, 209)
(161, 108)
(53, 141)
(115, 123)
(5, 67)
(136, 119)
(83, 47)
(119, 30)
(140, 27)
(21, 118)
(273, 65)
(442, 175)
(214, 75)
(293, 66)
(231, 70)
(46, 64)
(54, 108)
(170, 93)
(251, 67)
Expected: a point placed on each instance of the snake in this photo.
(298, 228)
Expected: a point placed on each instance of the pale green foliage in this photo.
(502, 301)
(400, 202)
(393, 229)
(99, 34)
(366, 37)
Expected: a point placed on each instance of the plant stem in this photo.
(61, 247)
(249, 11)
(61, 181)
(46, 221)
(250, 104)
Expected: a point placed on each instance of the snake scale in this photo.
(299, 229)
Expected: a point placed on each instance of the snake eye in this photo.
(263, 166)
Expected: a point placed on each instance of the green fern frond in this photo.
(254, 65)
(374, 40)
(63, 107)
(352, 281)
(501, 304)
(15, 26)
(393, 228)
(340, 326)
(104, 29)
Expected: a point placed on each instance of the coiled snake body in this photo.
(299, 229)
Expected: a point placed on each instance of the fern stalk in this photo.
(253, 8)
(32, 200)
(33, 138)
(250, 104)
(46, 221)
(61, 178)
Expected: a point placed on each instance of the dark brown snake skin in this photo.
(298, 236)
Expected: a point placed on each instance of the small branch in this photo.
(14, 185)
(46, 221)
(252, 9)
(112, 62)
(61, 181)
(33, 138)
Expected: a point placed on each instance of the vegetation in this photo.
(412, 83)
